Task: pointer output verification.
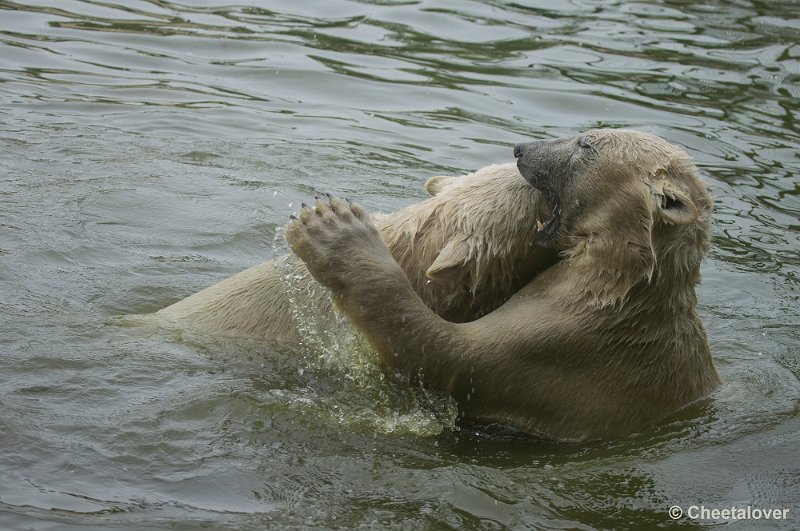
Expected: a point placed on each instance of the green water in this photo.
(150, 148)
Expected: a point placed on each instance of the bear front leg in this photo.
(343, 251)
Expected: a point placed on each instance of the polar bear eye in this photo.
(584, 150)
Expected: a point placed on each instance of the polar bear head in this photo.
(627, 206)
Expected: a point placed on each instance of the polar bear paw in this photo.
(338, 242)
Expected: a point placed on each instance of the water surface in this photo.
(149, 149)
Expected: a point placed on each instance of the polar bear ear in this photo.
(673, 205)
(451, 262)
(436, 184)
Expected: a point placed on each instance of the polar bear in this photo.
(465, 250)
(602, 342)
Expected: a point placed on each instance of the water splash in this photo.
(362, 395)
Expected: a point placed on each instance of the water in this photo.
(149, 149)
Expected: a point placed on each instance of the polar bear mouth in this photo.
(548, 229)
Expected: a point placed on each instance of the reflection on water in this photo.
(150, 148)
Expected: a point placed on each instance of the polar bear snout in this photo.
(537, 150)
(536, 162)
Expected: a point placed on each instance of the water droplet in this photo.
(275, 192)
(290, 205)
